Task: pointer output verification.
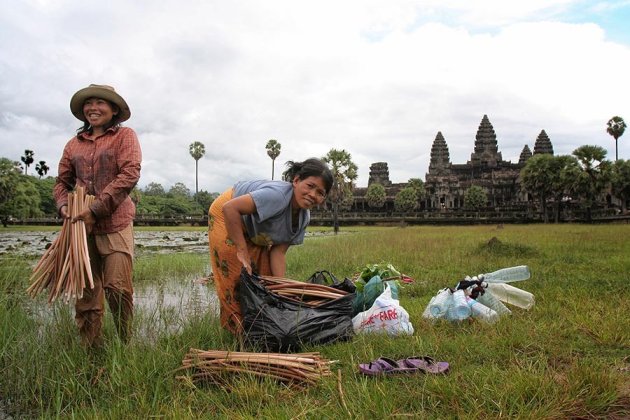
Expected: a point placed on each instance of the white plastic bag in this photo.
(385, 316)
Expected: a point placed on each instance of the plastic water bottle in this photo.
(512, 295)
(440, 303)
(508, 275)
(459, 309)
(493, 303)
(481, 311)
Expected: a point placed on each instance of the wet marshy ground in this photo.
(34, 243)
(166, 304)
(161, 307)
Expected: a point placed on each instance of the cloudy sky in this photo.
(376, 78)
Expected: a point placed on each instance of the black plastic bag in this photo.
(275, 324)
(328, 279)
(324, 277)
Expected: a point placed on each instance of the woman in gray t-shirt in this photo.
(253, 224)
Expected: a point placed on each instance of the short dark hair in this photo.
(310, 167)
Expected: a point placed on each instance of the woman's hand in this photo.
(88, 218)
(63, 212)
(243, 257)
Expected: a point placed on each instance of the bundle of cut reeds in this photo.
(65, 269)
(216, 365)
(308, 293)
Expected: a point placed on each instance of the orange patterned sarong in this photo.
(226, 268)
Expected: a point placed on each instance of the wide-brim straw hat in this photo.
(102, 92)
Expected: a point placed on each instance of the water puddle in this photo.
(160, 309)
(165, 308)
(165, 242)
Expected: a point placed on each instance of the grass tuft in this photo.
(497, 248)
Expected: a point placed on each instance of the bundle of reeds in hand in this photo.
(65, 269)
(217, 365)
(308, 293)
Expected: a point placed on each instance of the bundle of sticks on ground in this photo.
(65, 269)
(217, 365)
(308, 293)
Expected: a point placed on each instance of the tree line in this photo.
(584, 175)
(23, 196)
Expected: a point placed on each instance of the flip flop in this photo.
(424, 364)
(384, 365)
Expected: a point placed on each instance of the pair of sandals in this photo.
(414, 364)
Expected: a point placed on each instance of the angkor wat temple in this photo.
(446, 183)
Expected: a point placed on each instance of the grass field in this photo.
(567, 357)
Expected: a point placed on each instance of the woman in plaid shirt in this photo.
(104, 158)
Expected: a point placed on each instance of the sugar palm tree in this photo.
(28, 159)
(344, 172)
(42, 168)
(616, 127)
(376, 195)
(592, 175)
(563, 166)
(620, 181)
(273, 150)
(197, 150)
(418, 185)
(475, 198)
(537, 177)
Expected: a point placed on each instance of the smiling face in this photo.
(98, 112)
(308, 192)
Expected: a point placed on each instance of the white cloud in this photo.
(499, 12)
(378, 79)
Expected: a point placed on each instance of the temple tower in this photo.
(526, 153)
(543, 144)
(379, 172)
(486, 149)
(440, 159)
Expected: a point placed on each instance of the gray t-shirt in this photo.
(271, 224)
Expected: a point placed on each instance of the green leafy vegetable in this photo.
(383, 270)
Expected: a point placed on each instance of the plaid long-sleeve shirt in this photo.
(108, 166)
